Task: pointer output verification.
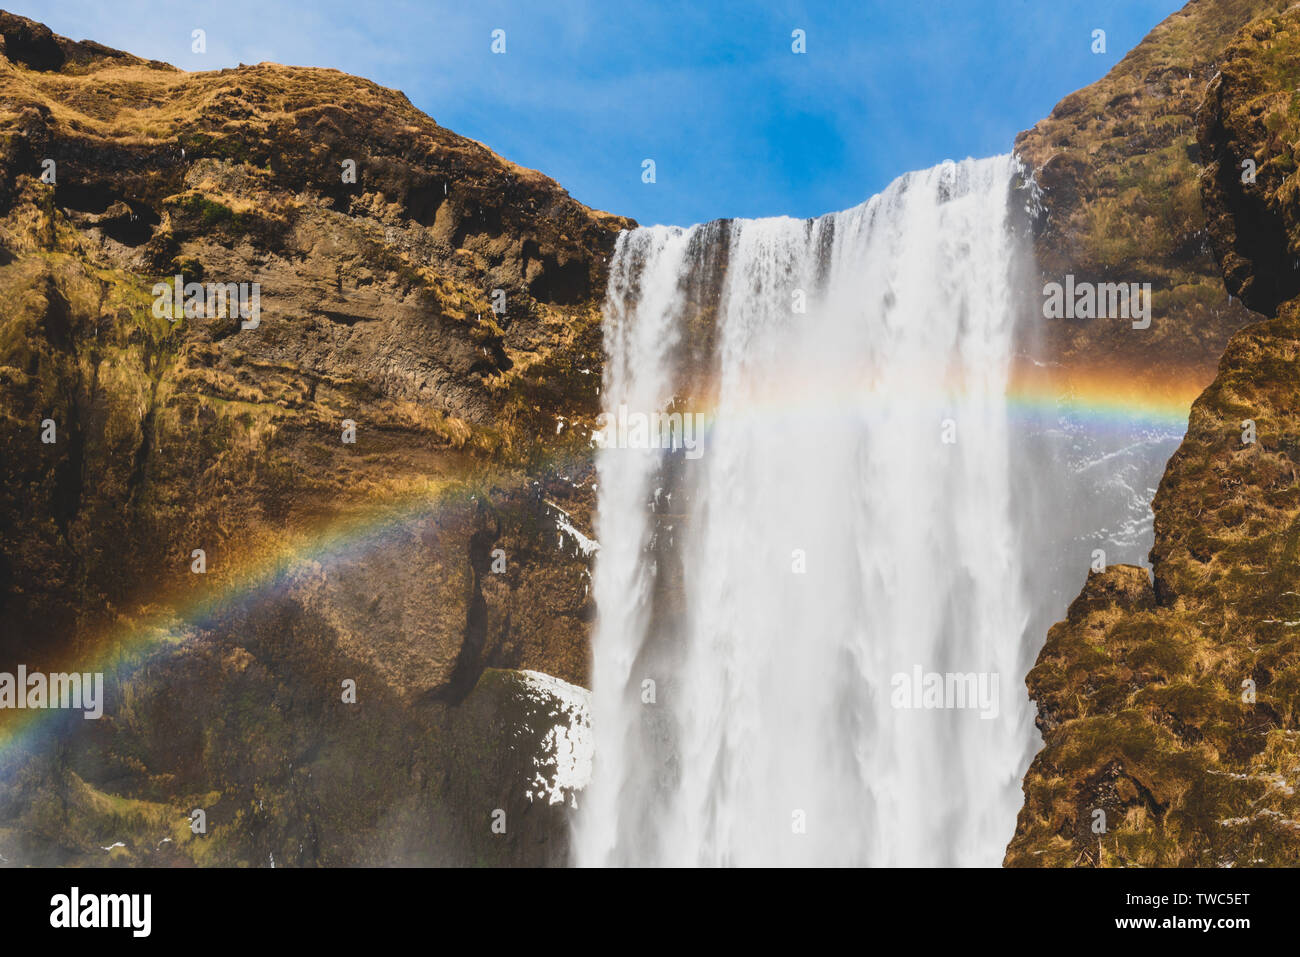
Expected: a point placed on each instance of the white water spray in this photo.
(851, 519)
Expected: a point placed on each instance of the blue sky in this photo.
(737, 124)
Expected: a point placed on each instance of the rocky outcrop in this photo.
(1169, 711)
(418, 293)
(1117, 166)
(1249, 132)
(1172, 709)
(431, 560)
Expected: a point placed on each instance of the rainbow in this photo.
(168, 622)
(1108, 402)
(1095, 403)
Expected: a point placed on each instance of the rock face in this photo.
(1117, 166)
(415, 288)
(1249, 129)
(429, 563)
(1169, 710)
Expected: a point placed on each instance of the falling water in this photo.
(849, 517)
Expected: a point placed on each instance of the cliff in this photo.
(434, 298)
(1168, 705)
(440, 306)
(1117, 164)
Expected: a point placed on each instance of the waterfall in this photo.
(843, 534)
